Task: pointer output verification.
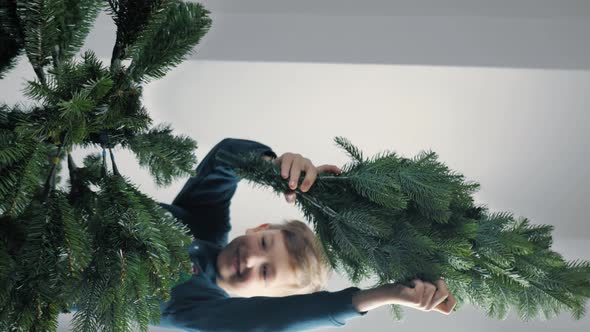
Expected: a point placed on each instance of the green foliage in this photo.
(131, 18)
(139, 253)
(8, 54)
(355, 153)
(19, 179)
(126, 114)
(168, 37)
(21, 159)
(397, 219)
(10, 37)
(74, 21)
(103, 247)
(40, 29)
(54, 251)
(166, 156)
(54, 30)
(75, 95)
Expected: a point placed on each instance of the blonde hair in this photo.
(308, 258)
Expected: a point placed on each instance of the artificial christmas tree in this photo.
(110, 253)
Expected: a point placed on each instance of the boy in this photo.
(275, 272)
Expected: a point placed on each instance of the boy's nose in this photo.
(254, 258)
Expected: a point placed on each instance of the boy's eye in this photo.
(263, 243)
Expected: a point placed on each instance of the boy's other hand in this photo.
(424, 296)
(292, 164)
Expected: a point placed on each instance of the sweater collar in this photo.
(205, 254)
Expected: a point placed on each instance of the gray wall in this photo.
(506, 33)
(524, 34)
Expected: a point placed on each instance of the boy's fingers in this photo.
(292, 164)
(447, 306)
(329, 168)
(290, 197)
(310, 177)
(441, 294)
(277, 161)
(451, 302)
(295, 171)
(429, 292)
(286, 161)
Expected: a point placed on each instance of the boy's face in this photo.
(256, 264)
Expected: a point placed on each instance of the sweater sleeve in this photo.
(203, 203)
(289, 313)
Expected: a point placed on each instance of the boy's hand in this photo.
(292, 164)
(424, 296)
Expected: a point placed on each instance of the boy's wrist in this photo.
(368, 299)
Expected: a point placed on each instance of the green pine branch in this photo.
(21, 159)
(397, 219)
(111, 254)
(166, 156)
(40, 30)
(50, 259)
(11, 37)
(169, 36)
(131, 228)
(10, 21)
(131, 18)
(74, 19)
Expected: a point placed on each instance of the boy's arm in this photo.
(289, 313)
(200, 307)
(203, 203)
